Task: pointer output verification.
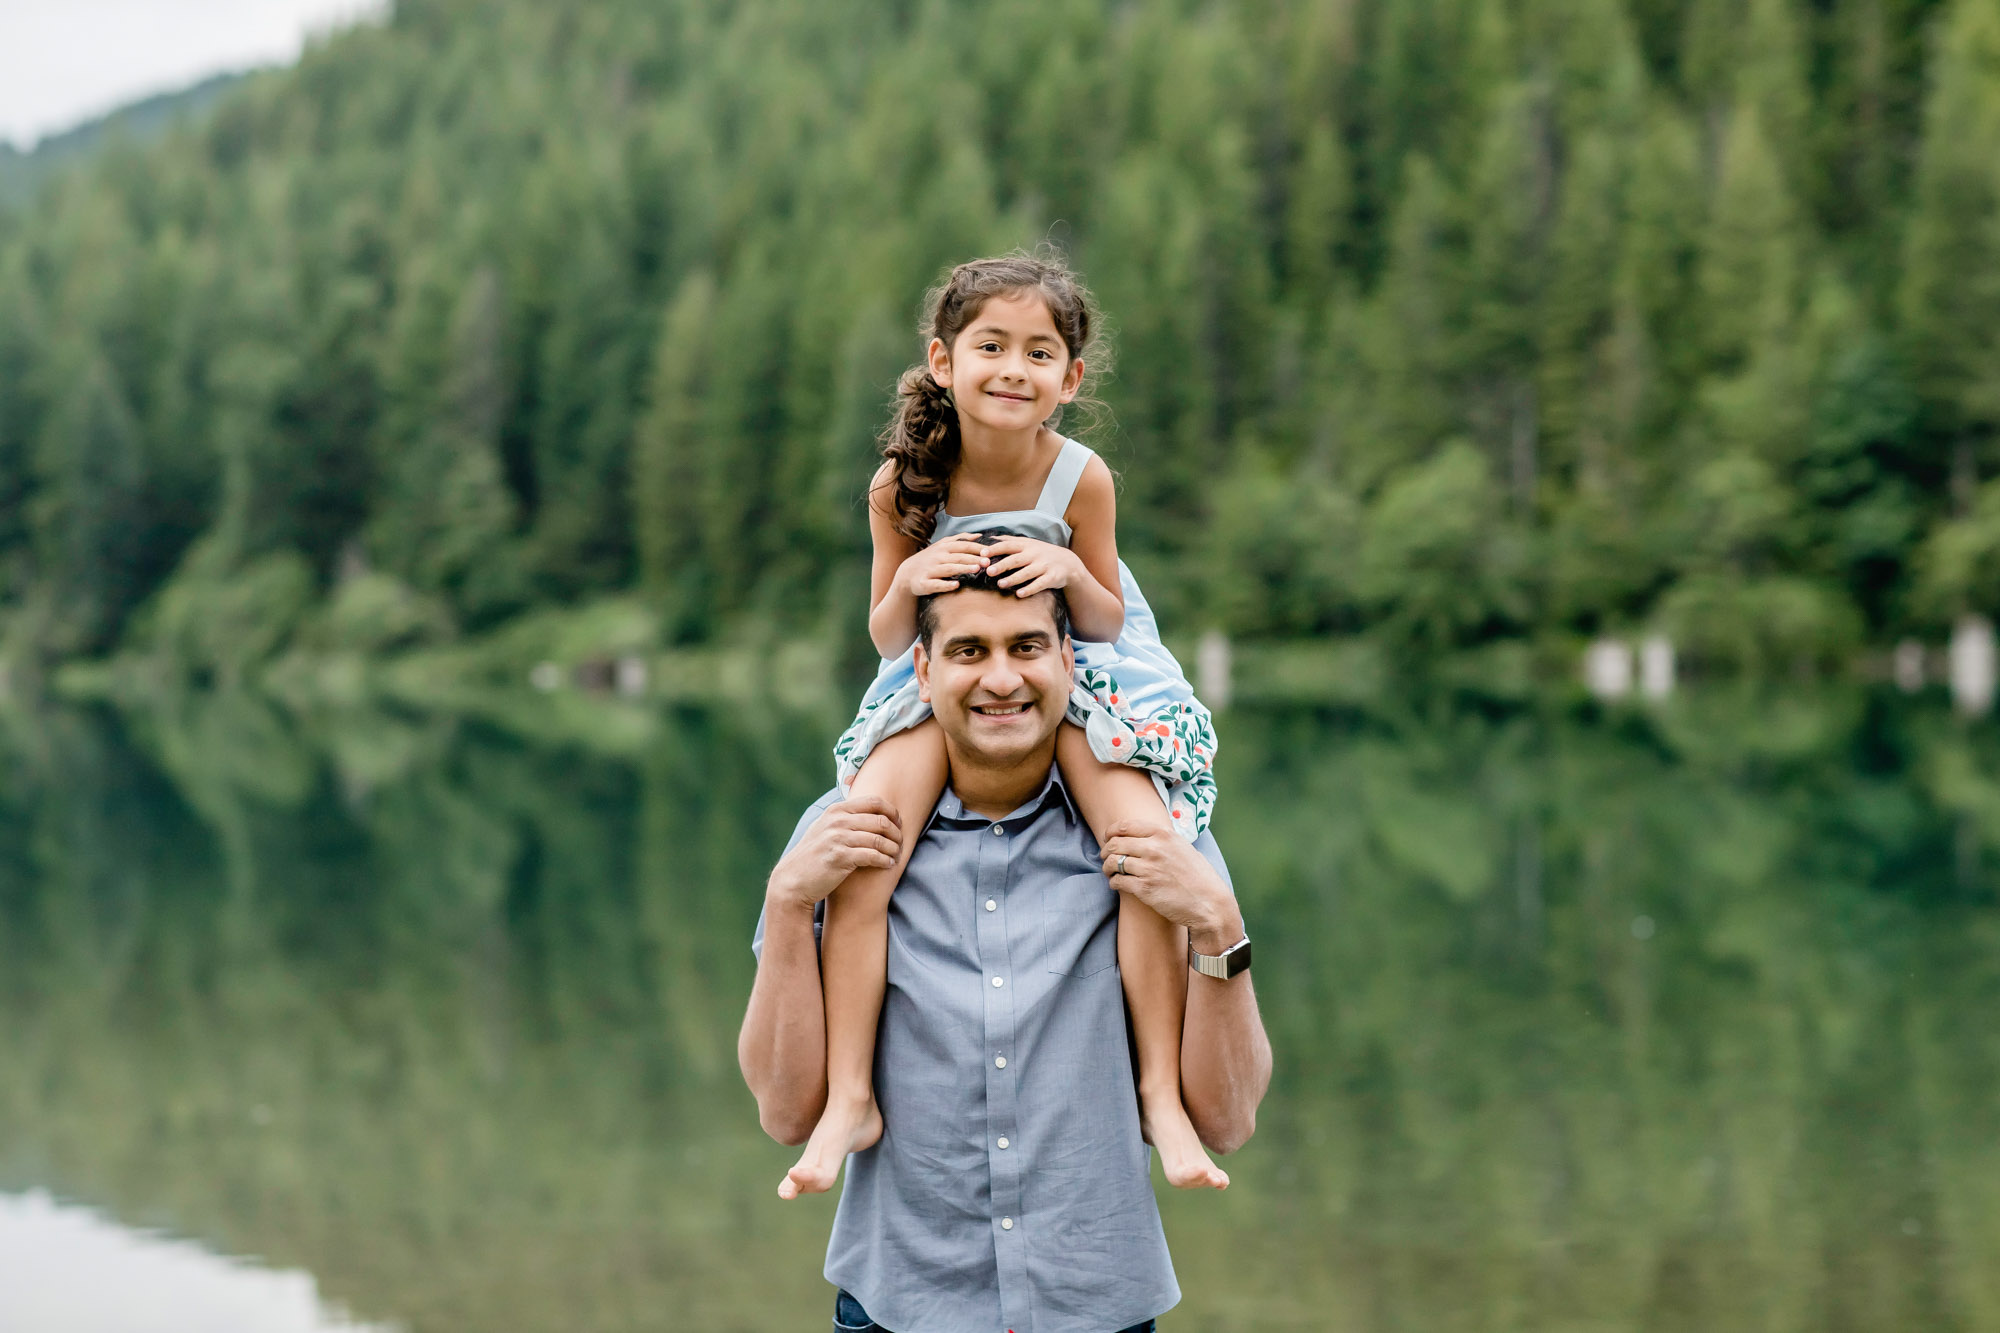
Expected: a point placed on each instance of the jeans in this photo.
(849, 1317)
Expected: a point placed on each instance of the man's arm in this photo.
(1225, 1056)
(782, 1047)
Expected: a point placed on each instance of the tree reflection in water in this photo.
(1649, 1021)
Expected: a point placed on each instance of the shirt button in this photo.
(999, 1062)
(1006, 1224)
(998, 982)
(990, 904)
(997, 830)
(1003, 1140)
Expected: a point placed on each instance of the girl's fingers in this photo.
(1041, 584)
(930, 587)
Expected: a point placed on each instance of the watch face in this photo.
(1224, 965)
(1237, 959)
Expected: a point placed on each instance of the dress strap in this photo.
(1063, 477)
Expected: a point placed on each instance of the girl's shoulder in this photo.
(1095, 499)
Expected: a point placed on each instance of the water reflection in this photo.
(67, 1269)
(1674, 1020)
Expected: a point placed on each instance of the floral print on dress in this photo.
(1176, 744)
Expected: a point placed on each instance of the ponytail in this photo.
(921, 444)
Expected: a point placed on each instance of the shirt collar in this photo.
(1053, 792)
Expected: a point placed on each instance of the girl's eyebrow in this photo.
(1033, 337)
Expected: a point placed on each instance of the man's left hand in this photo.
(1166, 873)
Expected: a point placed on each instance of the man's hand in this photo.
(858, 834)
(1167, 874)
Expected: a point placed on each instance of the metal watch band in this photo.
(1224, 965)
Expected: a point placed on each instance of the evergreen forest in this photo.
(1438, 324)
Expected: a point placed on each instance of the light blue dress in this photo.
(1131, 697)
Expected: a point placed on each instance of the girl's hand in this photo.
(1030, 567)
(933, 569)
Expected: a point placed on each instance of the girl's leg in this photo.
(908, 771)
(1152, 963)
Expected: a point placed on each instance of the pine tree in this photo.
(667, 490)
(1950, 297)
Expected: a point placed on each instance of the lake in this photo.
(1649, 1019)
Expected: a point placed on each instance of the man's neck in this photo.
(993, 791)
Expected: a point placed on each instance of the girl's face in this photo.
(1009, 369)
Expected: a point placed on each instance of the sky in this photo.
(63, 62)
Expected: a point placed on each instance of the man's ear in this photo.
(923, 672)
(1068, 656)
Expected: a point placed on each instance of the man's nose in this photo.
(1000, 678)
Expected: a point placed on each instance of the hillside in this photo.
(1437, 321)
(140, 123)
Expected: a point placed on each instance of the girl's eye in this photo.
(1043, 354)
(989, 347)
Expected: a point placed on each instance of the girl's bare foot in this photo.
(847, 1125)
(1167, 1127)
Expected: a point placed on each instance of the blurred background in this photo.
(1561, 436)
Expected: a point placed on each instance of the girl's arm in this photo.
(904, 570)
(1086, 570)
(892, 611)
(1097, 603)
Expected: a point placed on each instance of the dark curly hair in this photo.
(921, 440)
(986, 581)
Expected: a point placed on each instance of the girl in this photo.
(969, 448)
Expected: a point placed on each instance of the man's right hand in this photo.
(858, 834)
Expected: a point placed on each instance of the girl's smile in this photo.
(1009, 369)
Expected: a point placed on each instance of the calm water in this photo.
(1681, 1020)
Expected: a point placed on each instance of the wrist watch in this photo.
(1222, 966)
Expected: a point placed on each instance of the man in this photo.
(1010, 1189)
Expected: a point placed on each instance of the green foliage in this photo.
(517, 304)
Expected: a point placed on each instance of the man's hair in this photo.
(985, 582)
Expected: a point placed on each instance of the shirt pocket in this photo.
(1079, 925)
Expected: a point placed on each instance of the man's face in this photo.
(996, 675)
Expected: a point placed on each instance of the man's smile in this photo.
(1011, 709)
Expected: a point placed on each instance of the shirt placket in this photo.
(1003, 1154)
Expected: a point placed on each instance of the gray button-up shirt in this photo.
(1011, 1189)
